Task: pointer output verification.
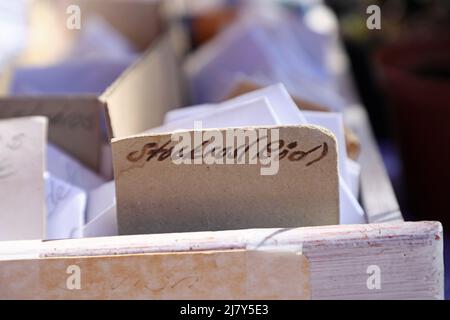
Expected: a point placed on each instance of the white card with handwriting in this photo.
(22, 188)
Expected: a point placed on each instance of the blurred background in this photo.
(400, 73)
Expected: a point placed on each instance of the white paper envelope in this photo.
(101, 212)
(239, 49)
(104, 225)
(89, 76)
(22, 189)
(334, 122)
(70, 170)
(66, 206)
(247, 113)
(282, 108)
(187, 112)
(256, 47)
(100, 199)
(354, 172)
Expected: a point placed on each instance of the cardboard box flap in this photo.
(139, 99)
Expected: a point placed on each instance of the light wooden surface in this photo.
(409, 254)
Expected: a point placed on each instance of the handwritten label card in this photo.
(22, 189)
(156, 194)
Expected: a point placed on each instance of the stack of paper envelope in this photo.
(70, 187)
(270, 49)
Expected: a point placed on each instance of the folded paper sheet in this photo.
(155, 195)
(66, 206)
(70, 170)
(268, 51)
(22, 189)
(101, 219)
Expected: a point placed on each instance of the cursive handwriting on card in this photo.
(289, 151)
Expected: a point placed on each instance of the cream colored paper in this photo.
(22, 189)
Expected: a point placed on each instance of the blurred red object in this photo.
(415, 76)
(207, 25)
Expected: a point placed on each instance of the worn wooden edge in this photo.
(216, 240)
(409, 254)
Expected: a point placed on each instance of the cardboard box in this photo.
(325, 262)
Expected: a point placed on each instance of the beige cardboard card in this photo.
(128, 110)
(159, 191)
(74, 122)
(22, 189)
